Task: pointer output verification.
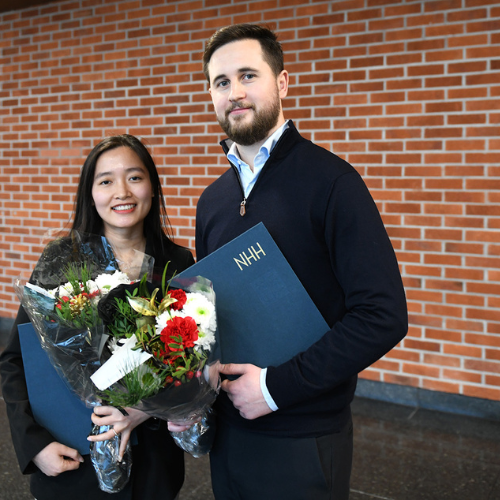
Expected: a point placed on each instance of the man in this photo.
(286, 431)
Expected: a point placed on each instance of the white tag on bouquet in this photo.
(123, 361)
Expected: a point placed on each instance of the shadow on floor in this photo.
(400, 453)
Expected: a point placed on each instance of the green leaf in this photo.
(165, 304)
(142, 306)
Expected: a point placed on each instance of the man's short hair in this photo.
(271, 48)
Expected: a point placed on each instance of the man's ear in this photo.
(283, 79)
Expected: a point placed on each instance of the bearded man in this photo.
(286, 431)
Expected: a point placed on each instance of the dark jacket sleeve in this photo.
(375, 320)
(28, 437)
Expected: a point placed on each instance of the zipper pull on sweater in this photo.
(243, 209)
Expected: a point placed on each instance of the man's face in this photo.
(245, 92)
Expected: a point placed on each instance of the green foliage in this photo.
(140, 383)
(77, 275)
(124, 322)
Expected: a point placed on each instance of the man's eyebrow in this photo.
(245, 69)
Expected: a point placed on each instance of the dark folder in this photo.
(55, 407)
(264, 314)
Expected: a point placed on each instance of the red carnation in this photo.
(180, 296)
(186, 328)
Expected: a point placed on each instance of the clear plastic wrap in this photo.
(112, 473)
(198, 439)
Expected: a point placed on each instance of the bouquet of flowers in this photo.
(61, 299)
(163, 357)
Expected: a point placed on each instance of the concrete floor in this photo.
(400, 454)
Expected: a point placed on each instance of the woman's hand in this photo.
(122, 424)
(56, 458)
(178, 427)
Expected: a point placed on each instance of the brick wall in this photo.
(407, 91)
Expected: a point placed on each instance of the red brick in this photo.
(423, 271)
(445, 285)
(467, 119)
(425, 120)
(443, 132)
(443, 335)
(468, 93)
(493, 25)
(483, 314)
(466, 300)
(493, 354)
(492, 380)
(482, 366)
(467, 14)
(460, 375)
(406, 34)
(465, 274)
(424, 320)
(467, 41)
(420, 369)
(440, 386)
(441, 310)
(442, 260)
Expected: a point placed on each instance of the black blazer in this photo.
(158, 464)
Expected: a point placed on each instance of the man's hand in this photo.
(245, 392)
(56, 458)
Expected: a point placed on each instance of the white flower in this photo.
(161, 320)
(201, 310)
(205, 340)
(106, 282)
(92, 286)
(65, 290)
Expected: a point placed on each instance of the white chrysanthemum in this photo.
(92, 286)
(205, 340)
(161, 320)
(201, 310)
(65, 290)
(106, 282)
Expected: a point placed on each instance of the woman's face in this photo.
(122, 190)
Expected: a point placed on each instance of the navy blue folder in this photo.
(55, 407)
(264, 314)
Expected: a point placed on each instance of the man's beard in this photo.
(256, 131)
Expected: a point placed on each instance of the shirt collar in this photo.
(264, 151)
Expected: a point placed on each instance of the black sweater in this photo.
(322, 217)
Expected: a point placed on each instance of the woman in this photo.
(120, 197)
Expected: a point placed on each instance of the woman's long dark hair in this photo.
(87, 220)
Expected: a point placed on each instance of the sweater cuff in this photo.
(281, 383)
